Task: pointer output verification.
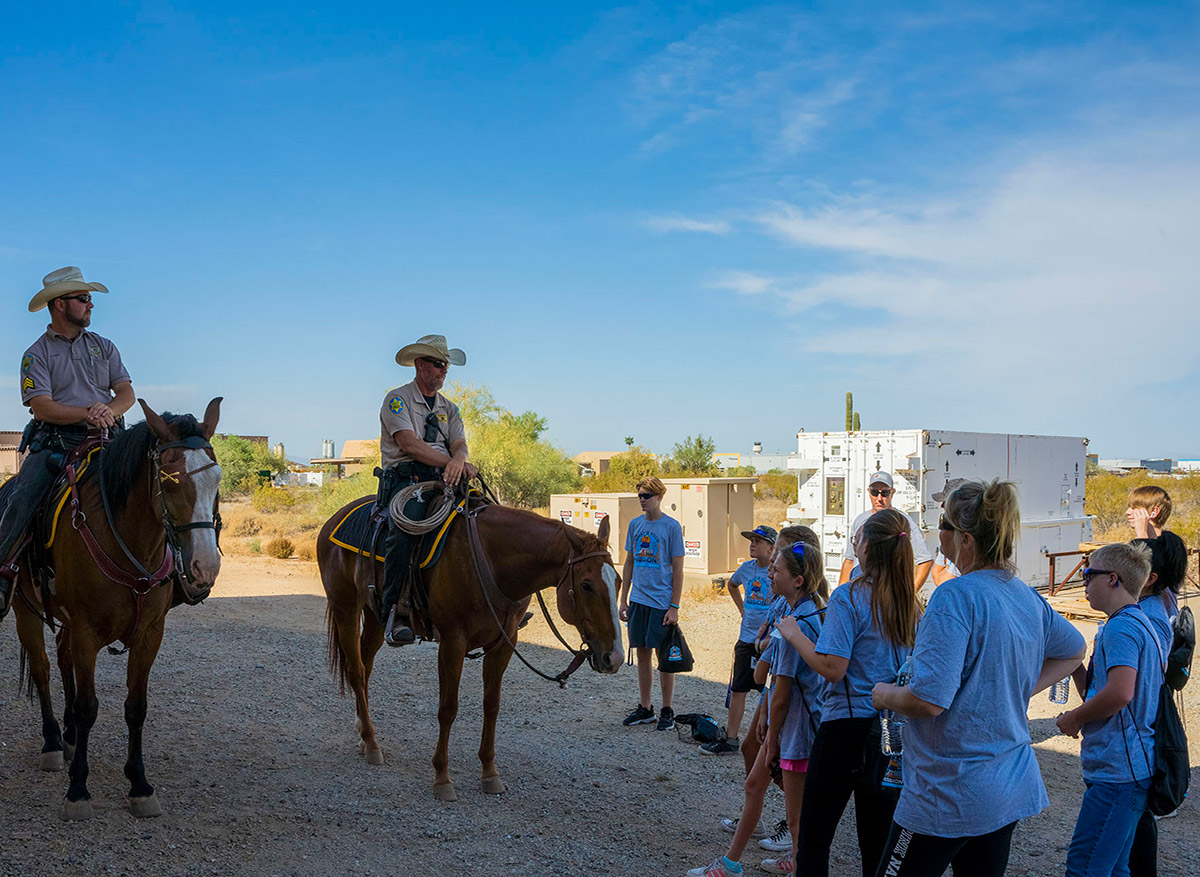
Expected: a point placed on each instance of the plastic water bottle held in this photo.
(891, 738)
(1060, 691)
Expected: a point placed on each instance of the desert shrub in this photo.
(783, 488)
(335, 494)
(624, 472)
(241, 461)
(307, 551)
(280, 547)
(270, 499)
(237, 520)
(254, 546)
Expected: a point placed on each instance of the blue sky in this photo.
(644, 220)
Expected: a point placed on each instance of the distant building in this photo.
(762, 463)
(356, 453)
(1188, 466)
(595, 462)
(10, 460)
(1117, 464)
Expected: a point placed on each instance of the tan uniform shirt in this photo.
(80, 371)
(405, 408)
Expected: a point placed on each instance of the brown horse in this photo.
(139, 528)
(527, 553)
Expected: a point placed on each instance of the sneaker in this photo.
(780, 840)
(718, 868)
(721, 747)
(782, 865)
(666, 719)
(731, 825)
(640, 716)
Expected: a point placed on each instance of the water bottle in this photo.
(891, 741)
(1060, 691)
(892, 724)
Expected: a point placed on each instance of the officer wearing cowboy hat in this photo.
(421, 439)
(72, 380)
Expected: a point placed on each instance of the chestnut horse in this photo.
(525, 553)
(148, 501)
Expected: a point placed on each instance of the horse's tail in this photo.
(337, 659)
(24, 677)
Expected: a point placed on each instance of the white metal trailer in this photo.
(832, 469)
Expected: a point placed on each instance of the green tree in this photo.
(629, 442)
(694, 455)
(509, 452)
(241, 461)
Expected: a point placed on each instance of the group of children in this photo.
(958, 675)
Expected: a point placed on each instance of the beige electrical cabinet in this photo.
(587, 510)
(713, 513)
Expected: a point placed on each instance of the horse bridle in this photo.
(170, 527)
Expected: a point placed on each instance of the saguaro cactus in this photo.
(849, 412)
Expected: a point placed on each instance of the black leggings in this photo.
(908, 854)
(834, 772)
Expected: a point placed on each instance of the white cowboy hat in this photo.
(64, 281)
(433, 346)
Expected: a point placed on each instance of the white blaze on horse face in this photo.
(205, 561)
(610, 578)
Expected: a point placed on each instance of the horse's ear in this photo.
(211, 415)
(602, 533)
(573, 536)
(157, 425)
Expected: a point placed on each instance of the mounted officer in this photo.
(421, 439)
(73, 381)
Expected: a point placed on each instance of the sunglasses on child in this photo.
(1089, 574)
(645, 496)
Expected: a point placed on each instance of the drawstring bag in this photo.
(674, 656)
(1183, 644)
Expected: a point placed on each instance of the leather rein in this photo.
(171, 567)
(492, 595)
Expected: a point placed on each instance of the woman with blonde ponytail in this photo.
(868, 632)
(987, 644)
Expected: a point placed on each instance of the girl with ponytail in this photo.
(868, 631)
(988, 642)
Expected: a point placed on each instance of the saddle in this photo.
(364, 531)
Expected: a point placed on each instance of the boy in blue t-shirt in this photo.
(651, 586)
(753, 575)
(1121, 684)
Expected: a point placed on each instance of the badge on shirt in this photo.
(442, 417)
(27, 363)
(396, 405)
(95, 349)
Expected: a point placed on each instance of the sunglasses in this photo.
(84, 297)
(943, 524)
(1089, 573)
(798, 549)
(436, 363)
(881, 491)
(647, 495)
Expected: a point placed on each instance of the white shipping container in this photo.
(832, 469)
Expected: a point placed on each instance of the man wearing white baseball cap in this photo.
(882, 488)
(72, 380)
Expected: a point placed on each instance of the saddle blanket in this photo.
(355, 533)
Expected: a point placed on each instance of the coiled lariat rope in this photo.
(437, 490)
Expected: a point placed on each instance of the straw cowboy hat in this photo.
(433, 346)
(64, 281)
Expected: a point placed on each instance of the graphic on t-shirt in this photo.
(396, 405)
(754, 591)
(647, 550)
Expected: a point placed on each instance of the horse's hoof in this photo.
(444, 792)
(53, 760)
(76, 811)
(494, 786)
(374, 756)
(145, 808)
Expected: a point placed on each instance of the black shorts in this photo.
(744, 660)
(646, 628)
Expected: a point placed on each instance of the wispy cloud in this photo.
(682, 223)
(1049, 276)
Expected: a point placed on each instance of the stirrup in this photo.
(397, 634)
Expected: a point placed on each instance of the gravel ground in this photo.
(255, 761)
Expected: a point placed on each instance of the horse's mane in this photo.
(118, 464)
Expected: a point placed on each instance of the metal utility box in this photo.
(832, 469)
(587, 510)
(713, 513)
